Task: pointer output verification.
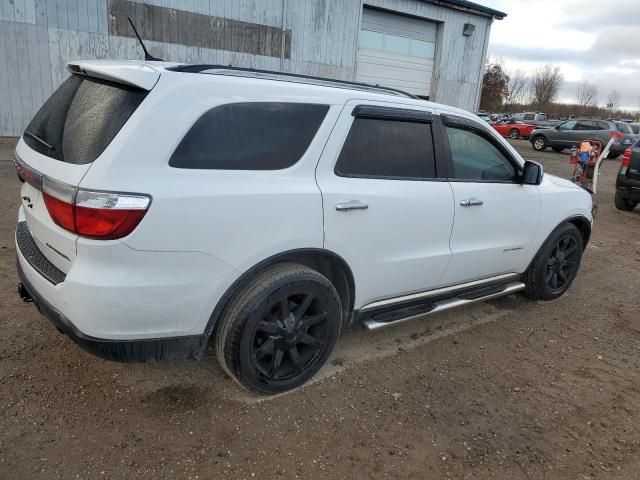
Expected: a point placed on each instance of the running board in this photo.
(404, 314)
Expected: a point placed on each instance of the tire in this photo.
(514, 134)
(613, 155)
(556, 264)
(624, 204)
(539, 143)
(557, 149)
(279, 330)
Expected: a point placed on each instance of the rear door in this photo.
(69, 132)
(386, 212)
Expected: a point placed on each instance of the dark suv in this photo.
(628, 181)
(571, 133)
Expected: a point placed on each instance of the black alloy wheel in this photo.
(563, 263)
(279, 329)
(292, 335)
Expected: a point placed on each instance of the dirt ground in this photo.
(507, 389)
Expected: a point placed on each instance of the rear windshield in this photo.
(81, 118)
(624, 128)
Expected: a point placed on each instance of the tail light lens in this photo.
(93, 214)
(617, 135)
(626, 157)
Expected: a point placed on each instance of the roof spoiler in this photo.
(132, 73)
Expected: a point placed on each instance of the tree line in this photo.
(518, 90)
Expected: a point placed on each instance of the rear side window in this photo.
(81, 118)
(392, 149)
(250, 136)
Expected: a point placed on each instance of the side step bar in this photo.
(404, 314)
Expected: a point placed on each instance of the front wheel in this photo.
(556, 264)
(514, 134)
(539, 144)
(279, 329)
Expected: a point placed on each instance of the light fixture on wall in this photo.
(468, 30)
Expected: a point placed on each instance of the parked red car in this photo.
(513, 128)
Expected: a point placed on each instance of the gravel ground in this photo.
(506, 389)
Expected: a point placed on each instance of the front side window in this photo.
(250, 136)
(474, 158)
(567, 125)
(378, 148)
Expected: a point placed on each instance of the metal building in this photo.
(432, 48)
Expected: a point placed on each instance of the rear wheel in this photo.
(539, 143)
(624, 204)
(280, 329)
(613, 155)
(556, 264)
(557, 149)
(514, 133)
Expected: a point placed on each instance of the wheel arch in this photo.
(326, 262)
(581, 222)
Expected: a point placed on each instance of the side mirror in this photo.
(532, 173)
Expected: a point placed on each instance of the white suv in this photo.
(166, 205)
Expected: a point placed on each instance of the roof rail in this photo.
(286, 77)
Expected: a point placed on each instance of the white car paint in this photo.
(205, 228)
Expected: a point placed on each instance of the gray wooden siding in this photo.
(39, 37)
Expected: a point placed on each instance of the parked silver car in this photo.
(570, 133)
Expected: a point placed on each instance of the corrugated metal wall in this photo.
(319, 37)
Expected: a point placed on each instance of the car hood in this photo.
(561, 182)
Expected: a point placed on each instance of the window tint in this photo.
(475, 158)
(529, 116)
(585, 125)
(603, 125)
(81, 118)
(250, 136)
(387, 149)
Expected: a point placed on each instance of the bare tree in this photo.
(517, 87)
(614, 99)
(587, 94)
(545, 84)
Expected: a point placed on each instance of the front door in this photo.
(495, 216)
(385, 211)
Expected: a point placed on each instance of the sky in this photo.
(594, 40)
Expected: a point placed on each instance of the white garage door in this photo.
(396, 51)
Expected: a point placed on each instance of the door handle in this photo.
(351, 205)
(471, 202)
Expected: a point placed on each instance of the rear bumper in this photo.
(123, 304)
(127, 351)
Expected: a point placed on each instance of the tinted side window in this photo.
(475, 158)
(529, 116)
(250, 136)
(378, 148)
(585, 125)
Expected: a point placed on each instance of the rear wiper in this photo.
(38, 139)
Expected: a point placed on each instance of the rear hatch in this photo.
(71, 131)
(628, 136)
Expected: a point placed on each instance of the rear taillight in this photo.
(626, 158)
(108, 215)
(89, 213)
(617, 135)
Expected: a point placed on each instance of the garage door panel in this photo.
(378, 58)
(415, 88)
(396, 51)
(392, 72)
